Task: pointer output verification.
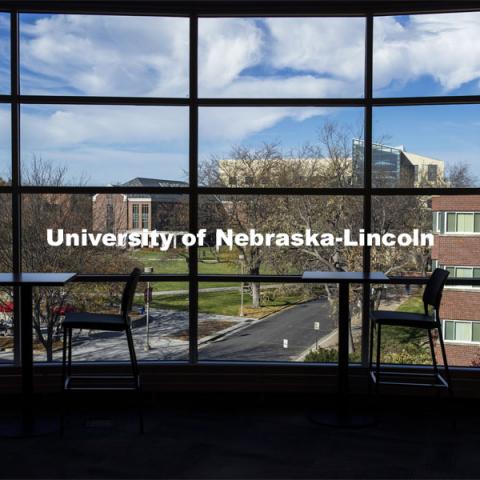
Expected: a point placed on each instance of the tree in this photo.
(258, 167)
(71, 212)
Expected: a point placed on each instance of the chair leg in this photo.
(445, 362)
(377, 366)
(432, 350)
(136, 375)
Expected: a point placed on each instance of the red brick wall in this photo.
(458, 250)
(460, 305)
(456, 203)
(459, 354)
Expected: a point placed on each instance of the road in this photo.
(264, 340)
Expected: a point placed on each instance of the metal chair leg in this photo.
(432, 350)
(445, 361)
(134, 364)
(377, 366)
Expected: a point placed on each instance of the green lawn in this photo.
(225, 303)
(164, 262)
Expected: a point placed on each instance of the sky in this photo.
(421, 55)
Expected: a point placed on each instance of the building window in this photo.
(135, 216)
(110, 222)
(461, 331)
(431, 173)
(145, 212)
(415, 173)
(458, 222)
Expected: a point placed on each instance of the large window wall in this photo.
(183, 120)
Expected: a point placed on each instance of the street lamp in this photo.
(241, 258)
(147, 298)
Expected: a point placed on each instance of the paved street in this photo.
(264, 340)
(235, 338)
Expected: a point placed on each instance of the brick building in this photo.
(118, 212)
(456, 225)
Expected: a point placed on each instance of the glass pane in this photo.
(451, 222)
(5, 233)
(281, 57)
(476, 332)
(166, 315)
(104, 55)
(441, 219)
(426, 55)
(4, 53)
(281, 147)
(434, 221)
(476, 273)
(463, 331)
(103, 239)
(409, 136)
(477, 223)
(449, 330)
(6, 294)
(464, 272)
(5, 144)
(465, 222)
(279, 234)
(291, 323)
(104, 145)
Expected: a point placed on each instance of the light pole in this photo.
(241, 257)
(147, 297)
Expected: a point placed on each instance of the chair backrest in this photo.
(129, 292)
(432, 294)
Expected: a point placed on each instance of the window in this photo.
(281, 57)
(104, 144)
(145, 216)
(135, 216)
(461, 331)
(461, 222)
(431, 173)
(275, 139)
(104, 55)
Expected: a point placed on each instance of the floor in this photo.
(227, 436)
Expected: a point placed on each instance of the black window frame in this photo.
(228, 8)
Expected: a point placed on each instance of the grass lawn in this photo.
(225, 303)
(164, 262)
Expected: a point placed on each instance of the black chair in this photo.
(104, 322)
(429, 320)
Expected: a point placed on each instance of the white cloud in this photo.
(286, 57)
(108, 143)
(442, 46)
(225, 125)
(107, 55)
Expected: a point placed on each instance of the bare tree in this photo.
(70, 212)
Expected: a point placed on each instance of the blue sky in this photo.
(89, 55)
